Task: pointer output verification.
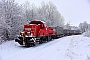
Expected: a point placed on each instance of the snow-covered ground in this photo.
(66, 48)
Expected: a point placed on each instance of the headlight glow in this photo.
(22, 32)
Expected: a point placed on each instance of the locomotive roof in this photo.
(36, 22)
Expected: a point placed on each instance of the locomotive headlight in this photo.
(26, 36)
(28, 33)
(22, 33)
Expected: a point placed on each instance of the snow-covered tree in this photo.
(83, 26)
(51, 15)
(87, 32)
(26, 11)
(88, 26)
(30, 11)
(12, 15)
(67, 26)
(4, 29)
(46, 12)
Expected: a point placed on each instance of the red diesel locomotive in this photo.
(35, 32)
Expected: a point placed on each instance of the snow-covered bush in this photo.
(84, 26)
(87, 33)
(1, 40)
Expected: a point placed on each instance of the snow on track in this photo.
(11, 49)
(66, 48)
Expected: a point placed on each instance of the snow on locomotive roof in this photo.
(40, 21)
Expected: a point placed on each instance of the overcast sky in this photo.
(74, 11)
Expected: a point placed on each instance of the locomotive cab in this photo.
(38, 23)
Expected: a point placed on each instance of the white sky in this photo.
(74, 11)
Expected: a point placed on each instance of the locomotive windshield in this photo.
(36, 22)
(28, 29)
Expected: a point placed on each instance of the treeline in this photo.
(13, 16)
(84, 26)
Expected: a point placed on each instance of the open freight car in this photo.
(58, 31)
